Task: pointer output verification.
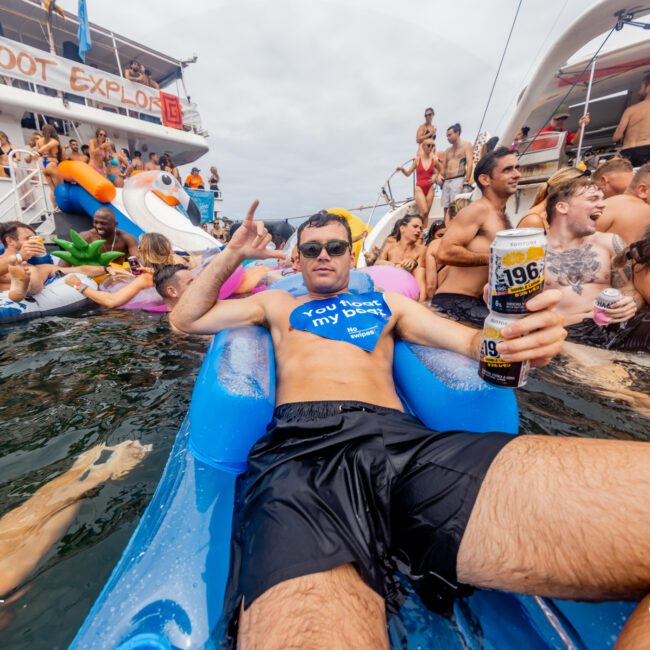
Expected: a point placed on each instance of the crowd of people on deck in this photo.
(46, 150)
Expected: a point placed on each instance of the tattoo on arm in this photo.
(622, 276)
(575, 267)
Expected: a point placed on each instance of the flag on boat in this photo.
(50, 6)
(83, 33)
(172, 113)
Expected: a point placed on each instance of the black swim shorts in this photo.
(631, 336)
(637, 155)
(333, 483)
(460, 307)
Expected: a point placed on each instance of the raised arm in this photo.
(199, 311)
(537, 337)
(460, 232)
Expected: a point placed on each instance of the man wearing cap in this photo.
(559, 120)
(194, 181)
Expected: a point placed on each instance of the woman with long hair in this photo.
(536, 216)
(426, 167)
(115, 162)
(156, 251)
(5, 151)
(49, 152)
(167, 165)
(431, 264)
(99, 149)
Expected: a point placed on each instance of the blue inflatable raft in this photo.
(167, 590)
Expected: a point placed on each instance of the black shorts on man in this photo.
(333, 483)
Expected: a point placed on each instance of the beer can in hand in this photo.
(492, 368)
(606, 298)
(516, 275)
(134, 265)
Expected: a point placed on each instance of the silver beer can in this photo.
(492, 368)
(516, 275)
(606, 298)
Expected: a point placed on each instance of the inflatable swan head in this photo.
(140, 196)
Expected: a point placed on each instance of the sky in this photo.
(312, 104)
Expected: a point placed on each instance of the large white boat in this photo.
(605, 83)
(44, 81)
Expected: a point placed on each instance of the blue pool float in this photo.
(167, 590)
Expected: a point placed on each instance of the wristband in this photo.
(80, 287)
(19, 257)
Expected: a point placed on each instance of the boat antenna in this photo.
(503, 56)
(579, 77)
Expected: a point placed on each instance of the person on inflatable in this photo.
(344, 479)
(154, 252)
(105, 227)
(21, 278)
(408, 251)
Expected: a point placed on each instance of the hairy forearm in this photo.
(203, 293)
(456, 255)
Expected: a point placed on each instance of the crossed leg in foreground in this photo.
(556, 517)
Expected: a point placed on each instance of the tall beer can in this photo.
(492, 368)
(516, 275)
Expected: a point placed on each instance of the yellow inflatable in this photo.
(357, 226)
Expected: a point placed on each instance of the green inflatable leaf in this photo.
(106, 258)
(79, 252)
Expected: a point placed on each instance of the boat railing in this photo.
(27, 200)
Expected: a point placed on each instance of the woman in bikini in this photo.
(49, 152)
(5, 151)
(426, 168)
(100, 150)
(115, 163)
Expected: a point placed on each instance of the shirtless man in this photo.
(613, 177)
(465, 247)
(152, 164)
(456, 169)
(634, 128)
(105, 227)
(628, 214)
(135, 73)
(408, 251)
(334, 484)
(579, 264)
(74, 153)
(19, 248)
(426, 130)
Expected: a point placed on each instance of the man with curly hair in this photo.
(579, 264)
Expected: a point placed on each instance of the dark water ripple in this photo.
(68, 384)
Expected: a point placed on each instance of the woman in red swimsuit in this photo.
(426, 168)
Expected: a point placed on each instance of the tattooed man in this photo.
(579, 264)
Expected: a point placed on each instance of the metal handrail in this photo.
(24, 190)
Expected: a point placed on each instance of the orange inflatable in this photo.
(90, 179)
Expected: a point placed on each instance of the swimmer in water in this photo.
(628, 214)
(29, 531)
(579, 265)
(343, 474)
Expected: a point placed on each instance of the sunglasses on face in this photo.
(334, 248)
(428, 146)
(428, 115)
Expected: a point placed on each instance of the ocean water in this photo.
(70, 384)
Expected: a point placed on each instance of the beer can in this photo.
(516, 274)
(492, 368)
(606, 298)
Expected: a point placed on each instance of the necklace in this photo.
(114, 236)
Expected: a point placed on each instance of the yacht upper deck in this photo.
(42, 77)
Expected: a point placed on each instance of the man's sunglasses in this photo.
(334, 248)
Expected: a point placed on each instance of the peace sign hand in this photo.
(251, 239)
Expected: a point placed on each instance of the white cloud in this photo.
(313, 104)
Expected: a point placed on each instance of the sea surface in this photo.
(69, 384)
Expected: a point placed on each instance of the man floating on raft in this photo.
(345, 481)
